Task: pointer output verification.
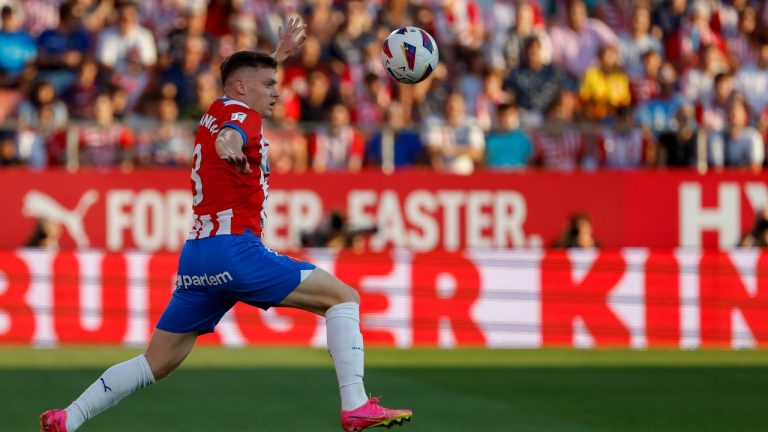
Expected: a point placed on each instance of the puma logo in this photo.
(42, 206)
(106, 387)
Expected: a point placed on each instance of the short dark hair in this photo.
(243, 59)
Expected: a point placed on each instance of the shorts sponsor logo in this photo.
(186, 281)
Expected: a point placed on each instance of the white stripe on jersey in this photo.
(225, 222)
(207, 226)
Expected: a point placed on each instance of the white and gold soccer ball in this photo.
(409, 54)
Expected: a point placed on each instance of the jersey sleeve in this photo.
(244, 120)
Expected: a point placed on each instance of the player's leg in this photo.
(326, 295)
(164, 354)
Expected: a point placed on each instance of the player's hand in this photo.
(238, 161)
(290, 39)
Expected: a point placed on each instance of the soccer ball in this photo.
(409, 54)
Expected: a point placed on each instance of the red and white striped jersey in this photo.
(225, 201)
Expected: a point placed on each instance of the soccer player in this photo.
(224, 261)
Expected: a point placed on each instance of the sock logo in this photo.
(106, 387)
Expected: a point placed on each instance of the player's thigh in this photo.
(319, 291)
(167, 350)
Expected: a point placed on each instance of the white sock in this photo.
(114, 384)
(345, 343)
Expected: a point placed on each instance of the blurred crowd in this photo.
(551, 84)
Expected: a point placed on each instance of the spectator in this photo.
(340, 147)
(287, 144)
(319, 99)
(394, 147)
(752, 80)
(127, 51)
(370, 105)
(698, 82)
(741, 45)
(9, 155)
(657, 115)
(189, 25)
(576, 45)
(17, 50)
(560, 147)
(646, 86)
(578, 234)
(712, 114)
(106, 144)
(62, 50)
(45, 235)
(455, 141)
(207, 90)
(692, 37)
(172, 141)
(605, 87)
(638, 41)
(678, 145)
(491, 97)
(535, 85)
(512, 46)
(459, 24)
(740, 145)
(508, 148)
(667, 18)
(183, 73)
(619, 15)
(42, 119)
(80, 97)
(623, 145)
(757, 237)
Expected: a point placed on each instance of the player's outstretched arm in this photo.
(290, 39)
(229, 147)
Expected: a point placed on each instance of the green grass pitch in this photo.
(275, 389)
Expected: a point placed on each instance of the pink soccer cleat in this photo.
(371, 414)
(54, 420)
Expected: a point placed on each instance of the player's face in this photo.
(261, 92)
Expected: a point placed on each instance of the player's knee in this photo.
(346, 294)
(163, 370)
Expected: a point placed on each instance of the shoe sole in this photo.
(397, 421)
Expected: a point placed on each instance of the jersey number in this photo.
(198, 156)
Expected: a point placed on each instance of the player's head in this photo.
(250, 77)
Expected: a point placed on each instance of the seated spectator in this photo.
(739, 145)
(698, 82)
(578, 234)
(623, 145)
(638, 41)
(559, 146)
(512, 45)
(712, 114)
(394, 147)
(183, 73)
(667, 18)
(678, 145)
(455, 140)
(207, 90)
(339, 147)
(171, 141)
(752, 80)
(17, 50)
(9, 155)
(319, 99)
(287, 143)
(369, 107)
(490, 98)
(105, 144)
(62, 50)
(657, 115)
(576, 45)
(127, 52)
(41, 128)
(740, 45)
(646, 86)
(617, 14)
(509, 147)
(80, 97)
(605, 87)
(692, 37)
(535, 85)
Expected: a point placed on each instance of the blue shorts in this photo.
(217, 272)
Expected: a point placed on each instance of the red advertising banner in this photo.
(640, 298)
(150, 210)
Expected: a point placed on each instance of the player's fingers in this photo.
(247, 169)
